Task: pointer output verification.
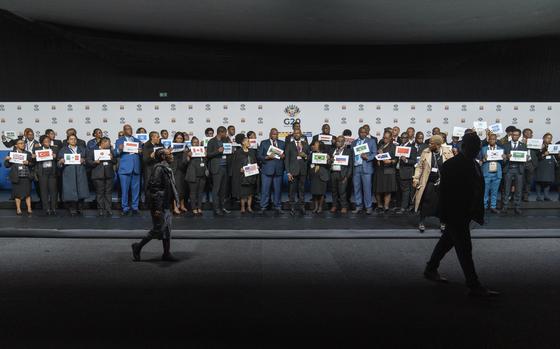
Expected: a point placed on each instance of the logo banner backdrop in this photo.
(195, 117)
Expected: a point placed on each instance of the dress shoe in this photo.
(135, 252)
(278, 211)
(433, 275)
(108, 213)
(344, 210)
(369, 211)
(100, 213)
(517, 212)
(262, 212)
(168, 257)
(125, 213)
(218, 213)
(495, 211)
(421, 227)
(333, 209)
(226, 211)
(357, 210)
(135, 212)
(482, 292)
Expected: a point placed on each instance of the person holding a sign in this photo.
(127, 151)
(196, 175)
(341, 174)
(385, 178)
(319, 174)
(405, 166)
(243, 186)
(532, 161)
(272, 170)
(179, 168)
(47, 175)
(101, 161)
(546, 168)
(426, 180)
(492, 171)
(513, 172)
(74, 178)
(218, 163)
(363, 171)
(162, 192)
(20, 162)
(326, 137)
(297, 153)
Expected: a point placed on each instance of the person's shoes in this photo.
(400, 211)
(168, 257)
(226, 211)
(495, 211)
(136, 251)
(261, 212)
(482, 292)
(135, 212)
(517, 212)
(218, 213)
(433, 275)
(369, 211)
(125, 213)
(293, 212)
(344, 210)
(53, 213)
(421, 227)
(278, 211)
(333, 209)
(378, 210)
(442, 227)
(108, 213)
(357, 210)
(29, 213)
(100, 213)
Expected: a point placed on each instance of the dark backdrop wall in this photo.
(45, 62)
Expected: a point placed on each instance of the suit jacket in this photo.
(345, 171)
(105, 169)
(367, 165)
(406, 166)
(53, 169)
(461, 191)
(214, 156)
(129, 163)
(195, 170)
(295, 166)
(514, 167)
(274, 167)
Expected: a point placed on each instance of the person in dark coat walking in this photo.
(47, 175)
(102, 176)
(74, 179)
(461, 200)
(196, 176)
(20, 177)
(162, 194)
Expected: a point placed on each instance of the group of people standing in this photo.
(397, 182)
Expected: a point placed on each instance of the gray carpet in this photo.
(275, 293)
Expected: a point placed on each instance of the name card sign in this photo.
(361, 149)
(198, 152)
(275, 151)
(340, 160)
(494, 155)
(458, 131)
(72, 159)
(251, 170)
(383, 156)
(327, 139)
(554, 148)
(43, 155)
(228, 148)
(534, 143)
(403, 151)
(177, 147)
(253, 144)
(102, 154)
(17, 158)
(131, 147)
(319, 158)
(518, 156)
(142, 137)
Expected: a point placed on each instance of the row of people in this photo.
(412, 177)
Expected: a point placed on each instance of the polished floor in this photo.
(282, 293)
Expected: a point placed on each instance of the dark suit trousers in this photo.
(406, 192)
(48, 188)
(339, 190)
(196, 189)
(297, 186)
(458, 235)
(528, 175)
(513, 176)
(219, 184)
(103, 193)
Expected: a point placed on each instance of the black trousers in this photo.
(458, 235)
(219, 186)
(513, 176)
(103, 193)
(196, 190)
(339, 190)
(297, 186)
(528, 175)
(48, 191)
(406, 192)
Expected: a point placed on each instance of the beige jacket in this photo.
(422, 172)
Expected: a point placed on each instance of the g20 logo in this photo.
(291, 121)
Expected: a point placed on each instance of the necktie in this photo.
(274, 144)
(298, 146)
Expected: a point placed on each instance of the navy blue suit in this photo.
(271, 174)
(129, 173)
(363, 174)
